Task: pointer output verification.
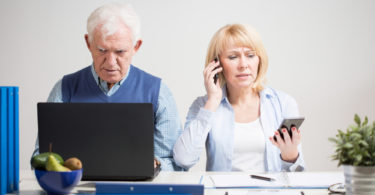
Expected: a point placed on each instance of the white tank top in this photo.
(249, 147)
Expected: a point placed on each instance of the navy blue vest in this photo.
(139, 87)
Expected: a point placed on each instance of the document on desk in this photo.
(263, 192)
(283, 180)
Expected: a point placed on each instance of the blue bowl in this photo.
(58, 182)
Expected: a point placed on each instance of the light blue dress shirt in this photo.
(215, 131)
(167, 128)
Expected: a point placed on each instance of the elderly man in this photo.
(113, 39)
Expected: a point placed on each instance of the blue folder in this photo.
(9, 140)
(16, 141)
(148, 188)
(10, 116)
(3, 141)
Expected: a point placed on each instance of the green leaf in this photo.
(341, 133)
(358, 158)
(348, 145)
(355, 136)
(365, 122)
(331, 139)
(367, 154)
(352, 128)
(363, 143)
(357, 120)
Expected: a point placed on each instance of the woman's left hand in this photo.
(288, 146)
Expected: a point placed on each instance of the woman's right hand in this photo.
(213, 89)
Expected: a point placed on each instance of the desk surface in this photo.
(29, 185)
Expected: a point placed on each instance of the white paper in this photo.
(264, 192)
(282, 180)
(315, 179)
(220, 181)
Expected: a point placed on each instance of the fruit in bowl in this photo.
(54, 175)
(58, 182)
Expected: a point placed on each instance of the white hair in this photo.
(109, 16)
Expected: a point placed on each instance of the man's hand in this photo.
(156, 163)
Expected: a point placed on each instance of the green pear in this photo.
(54, 165)
(39, 161)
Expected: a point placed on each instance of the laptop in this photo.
(114, 141)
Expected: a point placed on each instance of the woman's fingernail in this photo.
(276, 133)
(284, 130)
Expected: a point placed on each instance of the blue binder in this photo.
(9, 140)
(16, 141)
(10, 153)
(148, 188)
(3, 141)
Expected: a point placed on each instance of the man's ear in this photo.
(137, 45)
(87, 41)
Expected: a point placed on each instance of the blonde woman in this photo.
(238, 117)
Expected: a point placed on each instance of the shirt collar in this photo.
(266, 92)
(100, 81)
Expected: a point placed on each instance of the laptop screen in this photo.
(114, 141)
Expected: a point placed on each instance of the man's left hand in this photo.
(156, 163)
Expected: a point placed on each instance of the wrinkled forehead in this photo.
(111, 29)
(105, 33)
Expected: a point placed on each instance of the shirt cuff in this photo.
(167, 164)
(295, 167)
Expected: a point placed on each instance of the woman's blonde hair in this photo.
(241, 35)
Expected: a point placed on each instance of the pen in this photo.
(262, 178)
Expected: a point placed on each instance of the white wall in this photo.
(321, 52)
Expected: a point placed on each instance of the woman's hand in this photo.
(213, 89)
(288, 146)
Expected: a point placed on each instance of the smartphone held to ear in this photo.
(216, 77)
(288, 123)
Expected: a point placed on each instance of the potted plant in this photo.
(355, 151)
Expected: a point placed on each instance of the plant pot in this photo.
(359, 180)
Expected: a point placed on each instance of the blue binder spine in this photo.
(3, 141)
(149, 188)
(10, 158)
(16, 141)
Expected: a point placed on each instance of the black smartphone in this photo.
(288, 123)
(216, 75)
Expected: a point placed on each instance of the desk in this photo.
(29, 185)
